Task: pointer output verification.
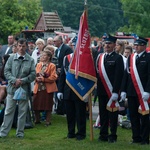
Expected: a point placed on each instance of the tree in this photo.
(16, 14)
(102, 15)
(137, 12)
(112, 15)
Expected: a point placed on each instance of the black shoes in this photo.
(37, 122)
(135, 142)
(71, 136)
(102, 139)
(144, 143)
(111, 141)
(139, 142)
(79, 138)
(20, 137)
(48, 124)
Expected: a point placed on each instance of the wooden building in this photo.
(49, 22)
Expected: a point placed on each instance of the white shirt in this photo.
(35, 55)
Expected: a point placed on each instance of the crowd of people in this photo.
(40, 68)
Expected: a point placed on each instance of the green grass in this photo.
(53, 138)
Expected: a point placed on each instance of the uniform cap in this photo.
(141, 41)
(109, 38)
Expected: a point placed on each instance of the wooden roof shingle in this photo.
(49, 21)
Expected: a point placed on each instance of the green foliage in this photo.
(16, 14)
(137, 12)
(102, 15)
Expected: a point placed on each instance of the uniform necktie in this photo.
(137, 58)
(107, 56)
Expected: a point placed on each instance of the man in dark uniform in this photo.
(136, 84)
(75, 108)
(110, 72)
(61, 51)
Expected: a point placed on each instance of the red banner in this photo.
(82, 63)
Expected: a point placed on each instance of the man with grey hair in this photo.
(61, 51)
(50, 41)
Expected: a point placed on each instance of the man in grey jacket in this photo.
(19, 71)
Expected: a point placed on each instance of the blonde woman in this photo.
(119, 47)
(120, 50)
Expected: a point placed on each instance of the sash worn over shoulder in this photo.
(69, 56)
(143, 108)
(112, 106)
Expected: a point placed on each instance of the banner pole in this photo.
(90, 117)
(90, 96)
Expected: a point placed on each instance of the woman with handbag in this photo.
(44, 87)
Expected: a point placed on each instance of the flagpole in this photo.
(90, 96)
(91, 118)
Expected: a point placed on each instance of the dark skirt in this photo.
(43, 101)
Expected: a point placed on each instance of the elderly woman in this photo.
(52, 50)
(40, 43)
(44, 87)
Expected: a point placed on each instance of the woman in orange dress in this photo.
(44, 87)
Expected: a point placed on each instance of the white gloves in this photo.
(114, 97)
(60, 96)
(145, 96)
(123, 96)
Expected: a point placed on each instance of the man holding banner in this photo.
(110, 69)
(75, 108)
(80, 78)
(136, 84)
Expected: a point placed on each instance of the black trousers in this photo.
(140, 123)
(76, 115)
(61, 110)
(107, 119)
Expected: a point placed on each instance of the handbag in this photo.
(20, 94)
